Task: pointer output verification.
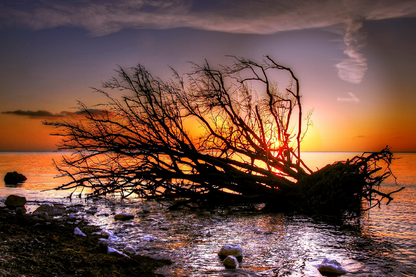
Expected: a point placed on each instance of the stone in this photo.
(14, 178)
(113, 238)
(231, 250)
(230, 262)
(14, 201)
(71, 217)
(148, 238)
(115, 252)
(331, 268)
(51, 209)
(129, 250)
(78, 232)
(106, 233)
(92, 211)
(124, 216)
(21, 210)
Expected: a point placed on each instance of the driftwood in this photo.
(248, 149)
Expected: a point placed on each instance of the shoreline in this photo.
(32, 246)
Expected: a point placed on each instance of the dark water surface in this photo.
(381, 243)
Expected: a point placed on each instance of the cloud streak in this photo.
(42, 114)
(235, 16)
(352, 98)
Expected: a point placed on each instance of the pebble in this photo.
(129, 250)
(230, 262)
(231, 249)
(124, 216)
(149, 238)
(331, 268)
(106, 233)
(78, 232)
(115, 252)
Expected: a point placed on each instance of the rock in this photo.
(331, 268)
(52, 210)
(145, 210)
(124, 216)
(21, 210)
(106, 233)
(78, 232)
(231, 249)
(14, 178)
(115, 252)
(14, 201)
(71, 217)
(230, 262)
(92, 211)
(129, 250)
(113, 238)
(148, 238)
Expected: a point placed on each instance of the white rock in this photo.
(78, 232)
(149, 238)
(129, 250)
(106, 233)
(331, 267)
(115, 252)
(231, 249)
(230, 262)
(113, 238)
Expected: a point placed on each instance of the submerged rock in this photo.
(106, 233)
(129, 250)
(231, 250)
(14, 178)
(230, 262)
(331, 268)
(148, 238)
(14, 201)
(124, 216)
(50, 209)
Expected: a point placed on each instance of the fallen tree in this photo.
(227, 135)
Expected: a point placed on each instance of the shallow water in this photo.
(381, 243)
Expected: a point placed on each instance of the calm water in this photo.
(381, 243)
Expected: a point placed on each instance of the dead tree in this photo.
(224, 135)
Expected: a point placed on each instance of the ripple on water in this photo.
(273, 244)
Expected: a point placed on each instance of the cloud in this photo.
(42, 114)
(353, 68)
(352, 98)
(235, 16)
(34, 114)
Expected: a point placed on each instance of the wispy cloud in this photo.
(42, 114)
(236, 16)
(352, 98)
(353, 68)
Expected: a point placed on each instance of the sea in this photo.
(381, 242)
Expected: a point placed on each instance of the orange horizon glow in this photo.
(30, 135)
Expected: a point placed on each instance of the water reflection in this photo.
(273, 244)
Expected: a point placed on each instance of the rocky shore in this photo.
(41, 245)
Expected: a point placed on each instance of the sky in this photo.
(355, 59)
